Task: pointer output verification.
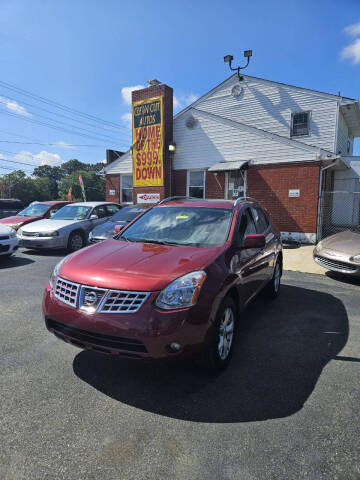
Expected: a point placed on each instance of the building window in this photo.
(235, 184)
(300, 124)
(196, 183)
(126, 188)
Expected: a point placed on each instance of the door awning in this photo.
(227, 166)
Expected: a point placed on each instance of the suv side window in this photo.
(100, 211)
(261, 220)
(246, 227)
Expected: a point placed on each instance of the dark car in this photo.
(122, 218)
(35, 211)
(172, 283)
(10, 206)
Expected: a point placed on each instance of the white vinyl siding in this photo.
(264, 105)
(214, 141)
(122, 165)
(343, 137)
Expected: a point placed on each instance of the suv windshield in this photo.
(193, 226)
(35, 210)
(126, 214)
(72, 212)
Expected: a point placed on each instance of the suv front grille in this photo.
(335, 265)
(66, 291)
(118, 301)
(4, 237)
(95, 338)
(98, 299)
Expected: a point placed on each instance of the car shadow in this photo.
(14, 261)
(343, 278)
(45, 253)
(281, 351)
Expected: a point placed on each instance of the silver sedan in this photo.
(68, 228)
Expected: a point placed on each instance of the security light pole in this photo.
(229, 58)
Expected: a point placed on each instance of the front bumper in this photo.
(7, 247)
(147, 333)
(336, 265)
(42, 242)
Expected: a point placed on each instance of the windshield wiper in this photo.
(145, 240)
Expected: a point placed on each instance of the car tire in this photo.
(76, 241)
(272, 289)
(218, 352)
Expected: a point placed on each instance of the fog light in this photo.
(175, 347)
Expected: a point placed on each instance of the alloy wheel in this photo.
(76, 242)
(226, 333)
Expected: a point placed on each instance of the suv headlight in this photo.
(12, 233)
(355, 258)
(182, 292)
(56, 272)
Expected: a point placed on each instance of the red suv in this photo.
(172, 283)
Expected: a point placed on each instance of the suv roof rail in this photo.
(242, 199)
(180, 197)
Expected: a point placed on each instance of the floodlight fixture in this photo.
(229, 58)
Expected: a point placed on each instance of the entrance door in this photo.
(235, 184)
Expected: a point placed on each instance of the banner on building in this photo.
(147, 143)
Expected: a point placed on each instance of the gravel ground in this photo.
(286, 408)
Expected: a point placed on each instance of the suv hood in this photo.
(17, 219)
(48, 225)
(134, 266)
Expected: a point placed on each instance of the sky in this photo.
(87, 56)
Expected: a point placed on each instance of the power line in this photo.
(55, 127)
(15, 169)
(57, 105)
(121, 130)
(54, 144)
(64, 123)
(15, 161)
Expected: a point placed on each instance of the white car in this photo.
(68, 228)
(8, 241)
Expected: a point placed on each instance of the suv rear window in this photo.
(190, 226)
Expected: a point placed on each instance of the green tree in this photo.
(54, 174)
(17, 185)
(72, 166)
(94, 186)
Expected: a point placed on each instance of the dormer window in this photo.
(300, 124)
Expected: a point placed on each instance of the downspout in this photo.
(320, 197)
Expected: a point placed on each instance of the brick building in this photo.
(283, 145)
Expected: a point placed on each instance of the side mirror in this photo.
(254, 241)
(93, 217)
(118, 229)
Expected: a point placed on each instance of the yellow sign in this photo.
(147, 148)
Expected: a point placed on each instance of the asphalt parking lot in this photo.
(287, 407)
